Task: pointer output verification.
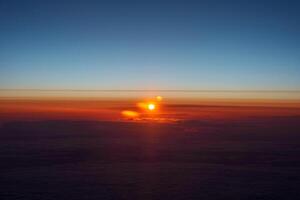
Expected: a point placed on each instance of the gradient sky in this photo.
(150, 44)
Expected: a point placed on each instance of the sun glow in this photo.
(159, 98)
(129, 113)
(147, 109)
(151, 106)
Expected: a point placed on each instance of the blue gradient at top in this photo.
(150, 44)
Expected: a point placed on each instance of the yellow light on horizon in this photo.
(151, 106)
(159, 98)
(129, 113)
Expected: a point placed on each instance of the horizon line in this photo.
(152, 90)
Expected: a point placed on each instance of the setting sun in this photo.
(151, 106)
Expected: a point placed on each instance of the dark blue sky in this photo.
(150, 44)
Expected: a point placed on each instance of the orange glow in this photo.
(142, 105)
(37, 109)
(147, 106)
(159, 98)
(129, 113)
(151, 106)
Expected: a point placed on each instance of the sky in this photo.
(210, 45)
